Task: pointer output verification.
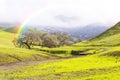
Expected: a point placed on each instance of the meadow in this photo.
(95, 59)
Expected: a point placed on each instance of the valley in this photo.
(93, 59)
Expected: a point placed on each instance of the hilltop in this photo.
(82, 32)
(12, 29)
(11, 54)
(114, 30)
(110, 37)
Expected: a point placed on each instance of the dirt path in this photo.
(28, 63)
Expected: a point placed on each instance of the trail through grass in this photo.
(102, 63)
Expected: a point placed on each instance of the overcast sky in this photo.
(60, 12)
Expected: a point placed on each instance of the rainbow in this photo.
(19, 30)
(22, 27)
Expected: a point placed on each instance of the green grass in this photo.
(10, 54)
(111, 37)
(9, 29)
(71, 69)
(113, 40)
(103, 63)
(6, 39)
(112, 31)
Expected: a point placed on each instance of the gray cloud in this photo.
(77, 12)
(66, 19)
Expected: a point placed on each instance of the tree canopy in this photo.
(45, 40)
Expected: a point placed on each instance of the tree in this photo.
(64, 38)
(27, 40)
(49, 40)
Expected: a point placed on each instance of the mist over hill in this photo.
(8, 24)
(83, 33)
(110, 37)
(114, 30)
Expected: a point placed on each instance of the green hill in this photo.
(12, 29)
(103, 64)
(6, 38)
(9, 53)
(112, 31)
(111, 37)
(1, 27)
(9, 29)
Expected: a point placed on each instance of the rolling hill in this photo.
(102, 64)
(81, 32)
(110, 37)
(112, 31)
(12, 29)
(10, 54)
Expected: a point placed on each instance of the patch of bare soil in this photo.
(20, 64)
(28, 63)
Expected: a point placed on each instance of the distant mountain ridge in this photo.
(88, 32)
(8, 24)
(12, 29)
(82, 33)
(110, 32)
(110, 37)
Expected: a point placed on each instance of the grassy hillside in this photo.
(9, 29)
(103, 64)
(1, 27)
(6, 38)
(8, 53)
(112, 31)
(111, 37)
(12, 29)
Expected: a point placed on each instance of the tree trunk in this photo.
(27, 45)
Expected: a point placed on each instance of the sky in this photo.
(61, 13)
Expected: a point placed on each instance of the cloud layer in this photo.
(61, 12)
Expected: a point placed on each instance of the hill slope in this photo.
(111, 37)
(104, 65)
(8, 53)
(83, 33)
(12, 29)
(112, 31)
